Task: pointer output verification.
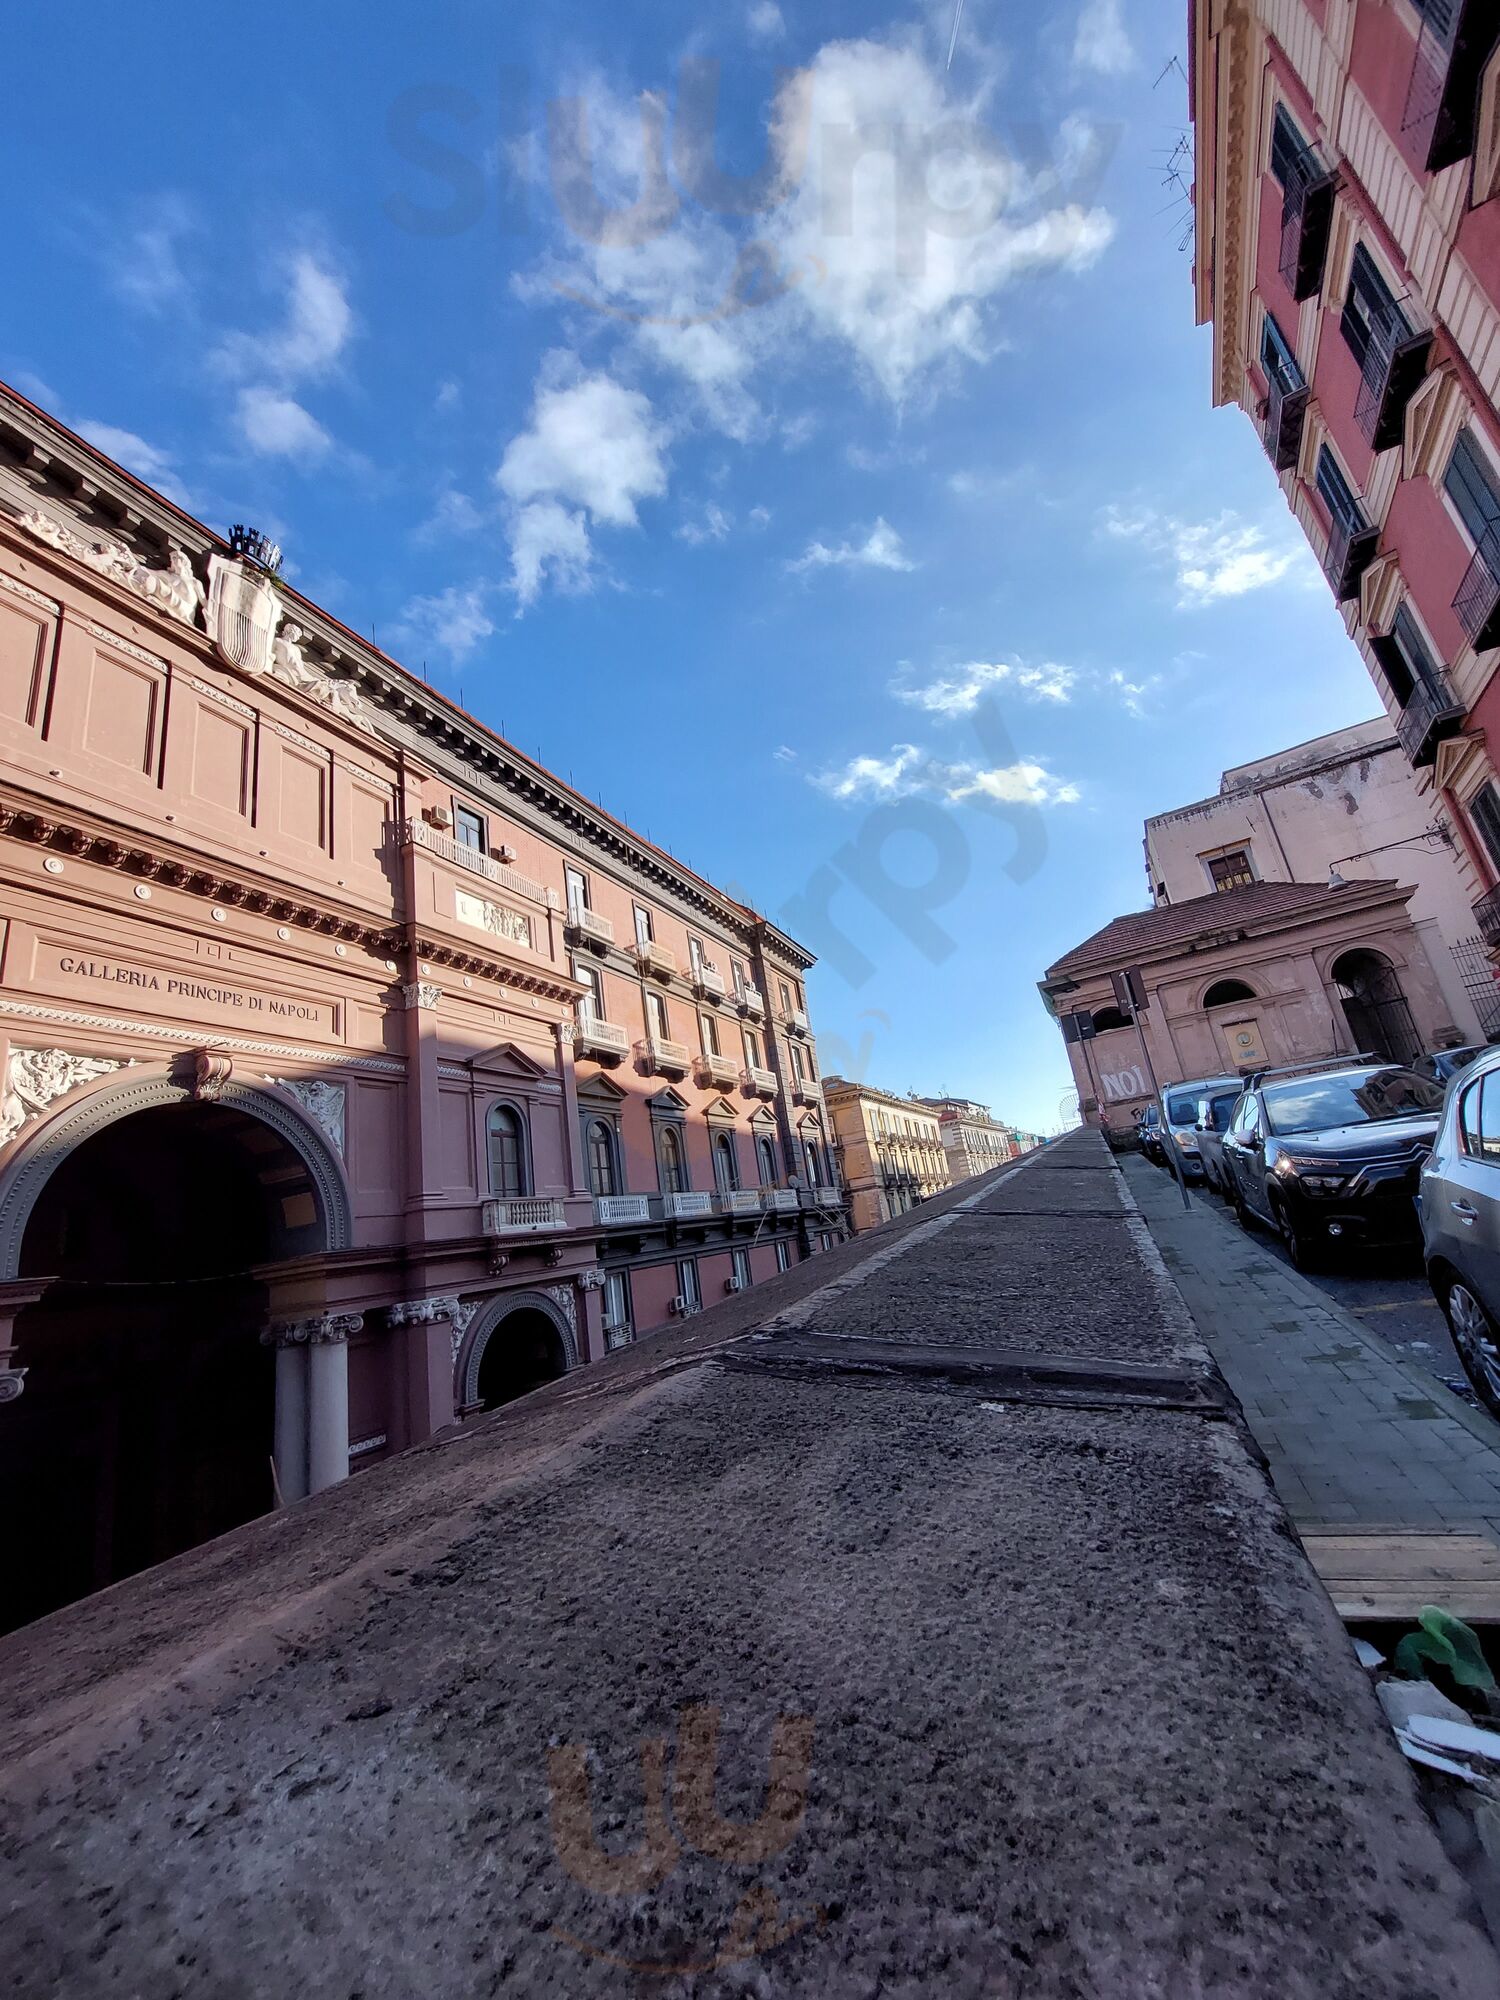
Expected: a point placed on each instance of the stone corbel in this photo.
(12, 1382)
(428, 1312)
(322, 1330)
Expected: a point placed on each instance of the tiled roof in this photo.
(1253, 907)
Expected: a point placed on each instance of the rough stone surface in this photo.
(1081, 1720)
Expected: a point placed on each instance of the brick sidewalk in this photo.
(1355, 1437)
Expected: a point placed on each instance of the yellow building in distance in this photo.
(890, 1150)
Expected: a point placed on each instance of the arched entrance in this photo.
(148, 1416)
(1375, 1007)
(524, 1351)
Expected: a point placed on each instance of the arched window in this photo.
(1107, 1018)
(765, 1160)
(726, 1164)
(507, 1137)
(601, 1157)
(673, 1170)
(1225, 991)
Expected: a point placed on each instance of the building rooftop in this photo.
(1255, 906)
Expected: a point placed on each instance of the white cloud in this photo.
(448, 396)
(785, 754)
(315, 329)
(960, 691)
(1224, 557)
(714, 527)
(1101, 43)
(277, 426)
(760, 517)
(549, 544)
(907, 771)
(454, 514)
(145, 264)
(454, 622)
(1134, 695)
(765, 22)
(133, 452)
(881, 549)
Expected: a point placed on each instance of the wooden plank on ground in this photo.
(1378, 1576)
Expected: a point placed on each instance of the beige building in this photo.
(974, 1141)
(1346, 803)
(890, 1150)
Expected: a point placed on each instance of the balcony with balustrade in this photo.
(739, 1201)
(1286, 413)
(524, 1215)
(663, 1058)
(779, 1201)
(711, 1072)
(1432, 713)
(688, 1207)
(796, 1022)
(619, 1211)
(592, 932)
(751, 1002)
(1352, 544)
(603, 1040)
(1306, 218)
(473, 860)
(759, 1082)
(1395, 361)
(805, 1091)
(1487, 917)
(708, 984)
(655, 960)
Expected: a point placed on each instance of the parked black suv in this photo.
(1331, 1153)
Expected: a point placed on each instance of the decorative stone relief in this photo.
(242, 614)
(562, 1297)
(591, 1281)
(289, 665)
(421, 995)
(174, 590)
(322, 1330)
(36, 1076)
(324, 1102)
(427, 1312)
(493, 917)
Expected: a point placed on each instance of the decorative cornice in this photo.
(548, 985)
(109, 1024)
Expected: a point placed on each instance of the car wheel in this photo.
(1299, 1248)
(1477, 1342)
(1242, 1214)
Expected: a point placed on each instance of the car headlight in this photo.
(1187, 1142)
(1310, 1172)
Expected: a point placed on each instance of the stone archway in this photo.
(144, 1223)
(539, 1317)
(1375, 1007)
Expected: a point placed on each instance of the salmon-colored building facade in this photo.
(1347, 201)
(357, 1074)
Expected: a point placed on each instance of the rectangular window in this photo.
(1288, 151)
(591, 1002)
(708, 1027)
(687, 1283)
(783, 1254)
(578, 890)
(738, 971)
(617, 1306)
(786, 997)
(741, 1261)
(468, 828)
(1484, 811)
(1336, 493)
(752, 1049)
(1278, 363)
(797, 1060)
(1370, 309)
(644, 931)
(695, 954)
(656, 1018)
(1405, 658)
(1229, 871)
(1473, 488)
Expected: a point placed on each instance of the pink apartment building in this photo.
(1348, 255)
(355, 1073)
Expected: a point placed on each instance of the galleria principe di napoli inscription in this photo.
(74, 969)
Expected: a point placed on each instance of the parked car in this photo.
(1180, 1118)
(1148, 1131)
(1214, 1113)
(1460, 1205)
(1443, 1064)
(1331, 1154)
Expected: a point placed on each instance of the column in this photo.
(577, 1163)
(291, 1420)
(328, 1401)
(436, 1330)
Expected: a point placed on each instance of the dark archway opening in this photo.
(1108, 1018)
(146, 1424)
(1375, 1007)
(1227, 992)
(524, 1351)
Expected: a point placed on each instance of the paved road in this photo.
(1389, 1295)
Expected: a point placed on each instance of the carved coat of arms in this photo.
(243, 613)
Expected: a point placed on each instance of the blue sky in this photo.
(814, 462)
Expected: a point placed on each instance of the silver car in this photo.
(1460, 1203)
(1215, 1109)
(1179, 1103)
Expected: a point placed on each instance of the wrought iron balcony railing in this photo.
(1487, 916)
(1351, 550)
(1286, 412)
(1478, 601)
(1442, 94)
(1394, 364)
(1306, 217)
(1432, 713)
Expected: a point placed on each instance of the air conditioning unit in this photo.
(679, 1304)
(734, 1284)
(438, 816)
(504, 852)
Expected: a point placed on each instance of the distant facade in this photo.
(1347, 803)
(355, 1073)
(1347, 194)
(1256, 975)
(974, 1141)
(890, 1150)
